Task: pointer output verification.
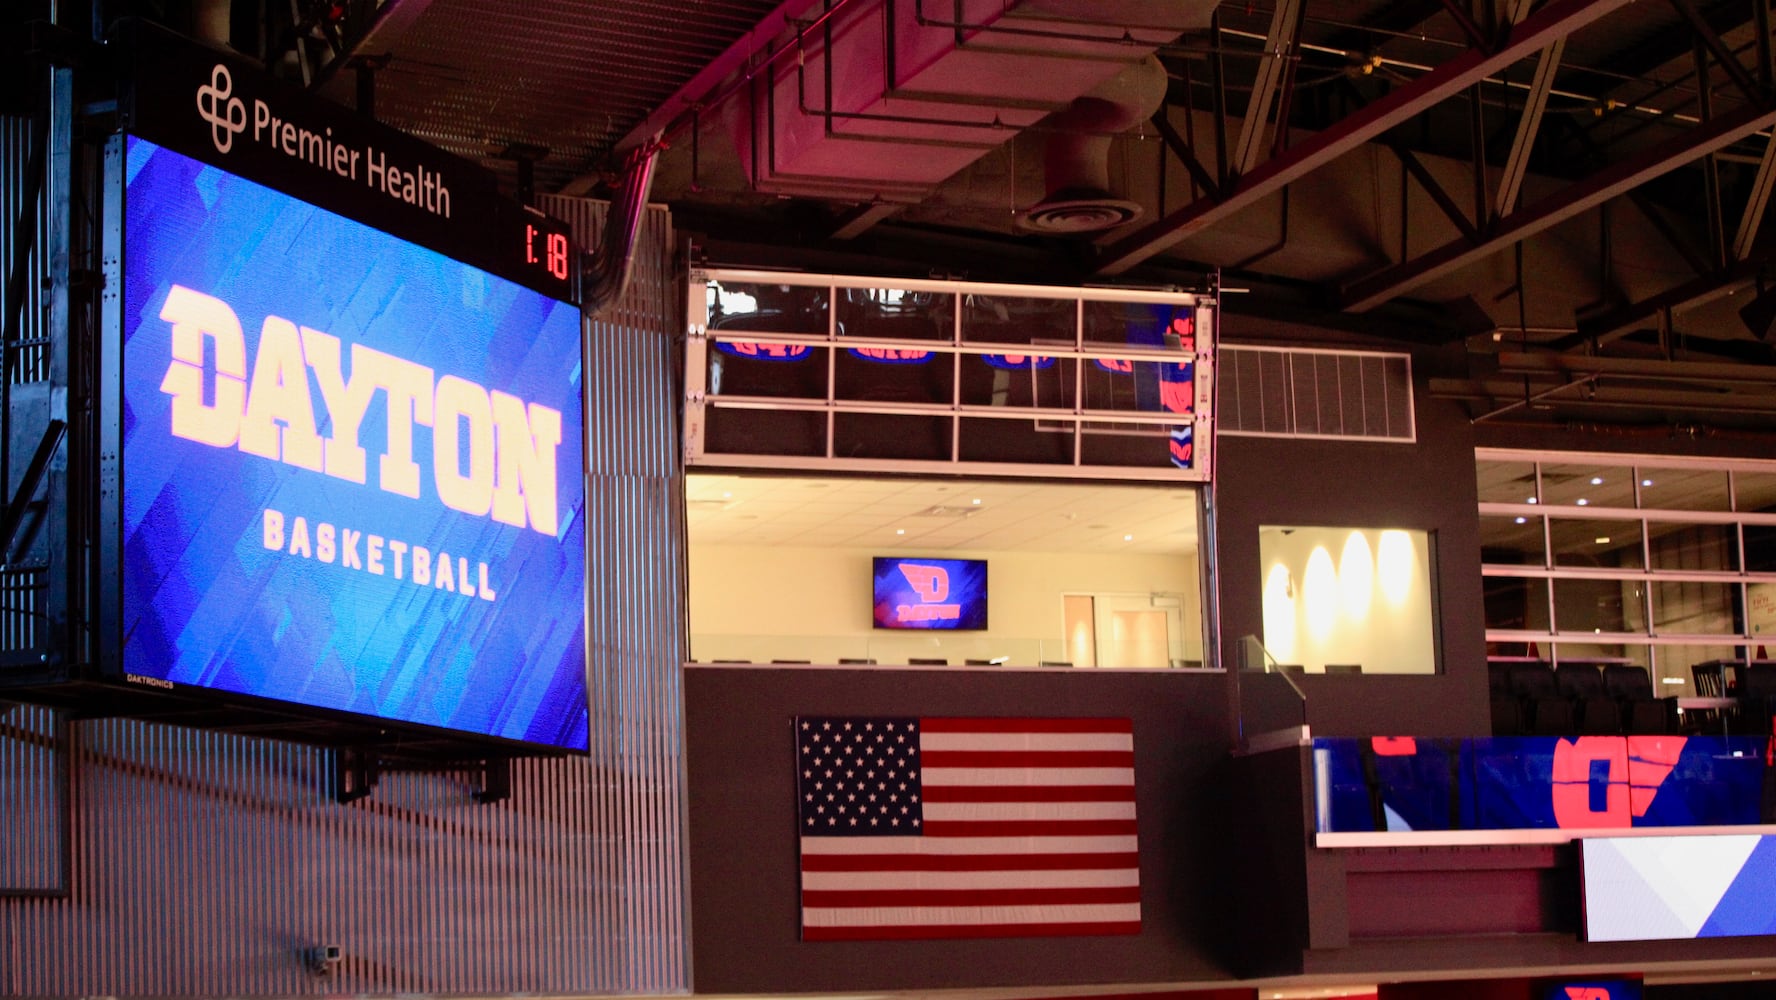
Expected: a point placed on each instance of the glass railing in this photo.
(907, 648)
(1272, 705)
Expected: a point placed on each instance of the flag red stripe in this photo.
(1036, 793)
(1029, 758)
(968, 862)
(953, 725)
(853, 898)
(1029, 828)
(898, 933)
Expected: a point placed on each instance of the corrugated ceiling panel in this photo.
(474, 77)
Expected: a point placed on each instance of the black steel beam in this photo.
(1180, 148)
(1711, 41)
(1626, 319)
(1415, 167)
(1556, 20)
(1580, 196)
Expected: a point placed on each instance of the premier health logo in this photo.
(226, 113)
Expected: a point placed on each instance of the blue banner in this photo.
(1539, 782)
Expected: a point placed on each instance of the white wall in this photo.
(1348, 595)
(762, 603)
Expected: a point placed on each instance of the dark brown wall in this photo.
(1426, 485)
(745, 919)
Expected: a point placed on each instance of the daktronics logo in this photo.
(226, 113)
(510, 444)
(932, 584)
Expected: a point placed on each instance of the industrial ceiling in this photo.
(1574, 191)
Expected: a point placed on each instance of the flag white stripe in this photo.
(1097, 878)
(969, 845)
(1027, 777)
(1026, 741)
(915, 916)
(977, 811)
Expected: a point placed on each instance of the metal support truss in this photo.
(1517, 163)
(1280, 47)
(1609, 182)
(1556, 20)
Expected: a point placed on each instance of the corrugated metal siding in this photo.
(15, 156)
(209, 864)
(33, 802)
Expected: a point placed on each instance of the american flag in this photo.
(966, 828)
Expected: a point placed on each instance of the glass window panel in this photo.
(1692, 607)
(1043, 442)
(1595, 542)
(765, 432)
(894, 375)
(1683, 489)
(1677, 663)
(892, 436)
(1506, 482)
(1141, 324)
(1760, 548)
(1599, 606)
(1002, 319)
(1348, 596)
(1755, 492)
(766, 307)
(1137, 445)
(767, 368)
(1760, 611)
(1693, 547)
(1587, 485)
(896, 314)
(1516, 541)
(1019, 380)
(1139, 386)
(1517, 603)
(1605, 653)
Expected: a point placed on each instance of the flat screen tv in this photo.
(351, 468)
(943, 594)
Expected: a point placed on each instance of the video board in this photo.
(942, 594)
(351, 466)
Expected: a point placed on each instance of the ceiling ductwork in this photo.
(1076, 159)
(889, 98)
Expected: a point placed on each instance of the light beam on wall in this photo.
(1319, 591)
(1279, 613)
(1356, 576)
(1396, 563)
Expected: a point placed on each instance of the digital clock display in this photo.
(546, 250)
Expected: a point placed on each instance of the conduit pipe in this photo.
(614, 260)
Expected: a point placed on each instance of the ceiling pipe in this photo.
(614, 260)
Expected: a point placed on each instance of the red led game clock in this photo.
(546, 250)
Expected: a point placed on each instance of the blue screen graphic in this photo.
(930, 593)
(352, 467)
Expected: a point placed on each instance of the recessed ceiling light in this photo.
(900, 531)
(1603, 540)
(975, 501)
(1128, 538)
(1530, 500)
(1523, 520)
(1596, 480)
(1581, 501)
(727, 495)
(1646, 482)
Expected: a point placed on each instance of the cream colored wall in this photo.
(1337, 612)
(763, 603)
